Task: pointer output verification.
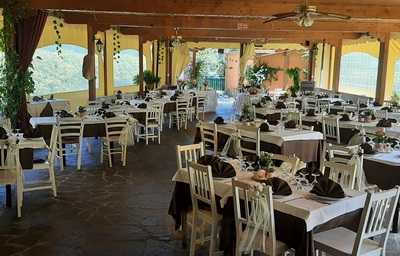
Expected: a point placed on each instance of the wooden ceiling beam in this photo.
(358, 9)
(152, 33)
(227, 23)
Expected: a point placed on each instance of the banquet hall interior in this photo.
(213, 127)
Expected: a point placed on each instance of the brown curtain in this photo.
(28, 32)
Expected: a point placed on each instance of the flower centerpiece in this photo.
(265, 164)
(247, 113)
(366, 116)
(380, 141)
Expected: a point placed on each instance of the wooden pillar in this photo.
(157, 57)
(336, 66)
(91, 55)
(153, 57)
(241, 50)
(141, 87)
(330, 68)
(166, 61)
(105, 64)
(194, 63)
(382, 68)
(286, 61)
(170, 65)
(311, 62)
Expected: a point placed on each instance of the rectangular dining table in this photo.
(305, 144)
(297, 216)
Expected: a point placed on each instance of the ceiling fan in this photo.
(305, 15)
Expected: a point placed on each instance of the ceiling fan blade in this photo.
(332, 15)
(280, 16)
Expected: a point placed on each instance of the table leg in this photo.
(64, 157)
(8, 196)
(184, 231)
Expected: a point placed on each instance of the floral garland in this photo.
(116, 44)
(58, 24)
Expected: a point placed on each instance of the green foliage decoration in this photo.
(14, 83)
(257, 74)
(58, 24)
(294, 75)
(148, 78)
(116, 44)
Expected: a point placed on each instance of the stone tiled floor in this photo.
(106, 211)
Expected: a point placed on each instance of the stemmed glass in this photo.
(315, 180)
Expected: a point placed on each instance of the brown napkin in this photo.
(47, 110)
(384, 123)
(219, 120)
(264, 127)
(30, 133)
(280, 105)
(3, 134)
(337, 103)
(345, 117)
(220, 169)
(279, 186)
(291, 124)
(310, 112)
(142, 105)
(327, 188)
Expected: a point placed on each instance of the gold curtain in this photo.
(180, 59)
(249, 51)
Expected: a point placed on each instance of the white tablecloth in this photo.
(35, 108)
(275, 137)
(390, 158)
(300, 204)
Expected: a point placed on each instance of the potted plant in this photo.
(149, 78)
(294, 75)
(247, 113)
(380, 141)
(366, 116)
(258, 74)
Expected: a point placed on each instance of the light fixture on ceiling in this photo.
(305, 20)
(176, 39)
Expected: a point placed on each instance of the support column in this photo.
(92, 56)
(194, 63)
(382, 68)
(336, 66)
(141, 87)
(311, 62)
(105, 64)
(170, 65)
(166, 56)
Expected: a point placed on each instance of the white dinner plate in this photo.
(326, 199)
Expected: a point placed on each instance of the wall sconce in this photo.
(99, 45)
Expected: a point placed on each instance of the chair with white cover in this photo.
(8, 173)
(330, 128)
(292, 161)
(249, 142)
(201, 105)
(254, 220)
(47, 165)
(115, 141)
(381, 114)
(209, 136)
(373, 230)
(188, 153)
(344, 174)
(70, 132)
(323, 105)
(159, 105)
(291, 105)
(180, 116)
(310, 103)
(202, 190)
(348, 155)
(151, 129)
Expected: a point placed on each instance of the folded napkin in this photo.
(220, 169)
(393, 141)
(362, 105)
(37, 98)
(3, 134)
(30, 133)
(388, 109)
(265, 99)
(392, 120)
(384, 123)
(105, 105)
(283, 97)
(367, 148)
(219, 120)
(81, 109)
(345, 117)
(173, 98)
(264, 127)
(109, 115)
(310, 112)
(279, 186)
(291, 124)
(47, 110)
(350, 102)
(280, 105)
(376, 104)
(142, 105)
(64, 114)
(327, 188)
(147, 99)
(258, 105)
(337, 103)
(162, 93)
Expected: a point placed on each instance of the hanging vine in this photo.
(58, 24)
(116, 44)
(14, 83)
